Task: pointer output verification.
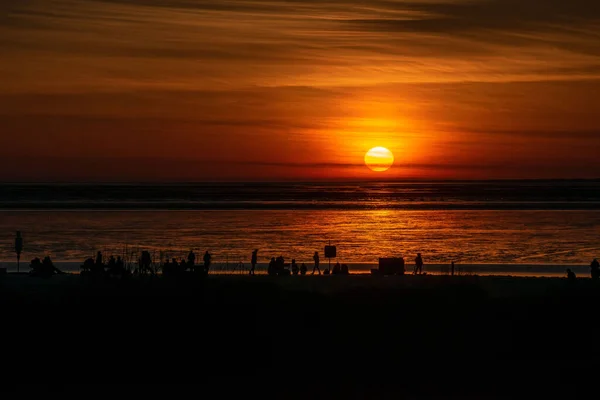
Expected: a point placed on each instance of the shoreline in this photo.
(364, 268)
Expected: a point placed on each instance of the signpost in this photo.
(18, 248)
(330, 252)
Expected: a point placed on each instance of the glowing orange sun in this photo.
(379, 159)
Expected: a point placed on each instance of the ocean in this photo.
(503, 227)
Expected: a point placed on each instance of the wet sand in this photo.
(427, 334)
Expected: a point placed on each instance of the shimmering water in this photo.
(360, 235)
(519, 222)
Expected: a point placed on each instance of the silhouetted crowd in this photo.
(44, 269)
(174, 268)
(114, 268)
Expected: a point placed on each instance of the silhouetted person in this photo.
(295, 268)
(337, 269)
(18, 248)
(88, 266)
(191, 258)
(316, 259)
(47, 268)
(418, 264)
(253, 261)
(145, 262)
(36, 267)
(116, 268)
(303, 269)
(183, 265)
(272, 268)
(570, 275)
(207, 258)
(344, 270)
(173, 268)
(595, 269)
(280, 264)
(97, 269)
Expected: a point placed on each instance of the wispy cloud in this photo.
(308, 79)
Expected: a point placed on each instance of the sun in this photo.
(379, 159)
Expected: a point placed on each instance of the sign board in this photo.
(330, 251)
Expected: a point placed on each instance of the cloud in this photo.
(301, 82)
(313, 43)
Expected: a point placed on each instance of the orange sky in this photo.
(127, 90)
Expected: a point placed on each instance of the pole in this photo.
(18, 248)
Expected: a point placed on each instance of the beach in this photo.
(517, 270)
(507, 319)
(443, 329)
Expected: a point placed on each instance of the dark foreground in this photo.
(360, 336)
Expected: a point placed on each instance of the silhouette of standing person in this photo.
(191, 258)
(99, 258)
(253, 261)
(418, 264)
(316, 267)
(303, 269)
(207, 258)
(18, 248)
(595, 267)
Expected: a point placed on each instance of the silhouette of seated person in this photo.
(183, 265)
(280, 267)
(171, 268)
(272, 268)
(36, 267)
(280, 262)
(88, 266)
(337, 269)
(44, 269)
(571, 275)
(344, 270)
(303, 269)
(326, 272)
(295, 268)
(595, 269)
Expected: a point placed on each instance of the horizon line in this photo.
(290, 181)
